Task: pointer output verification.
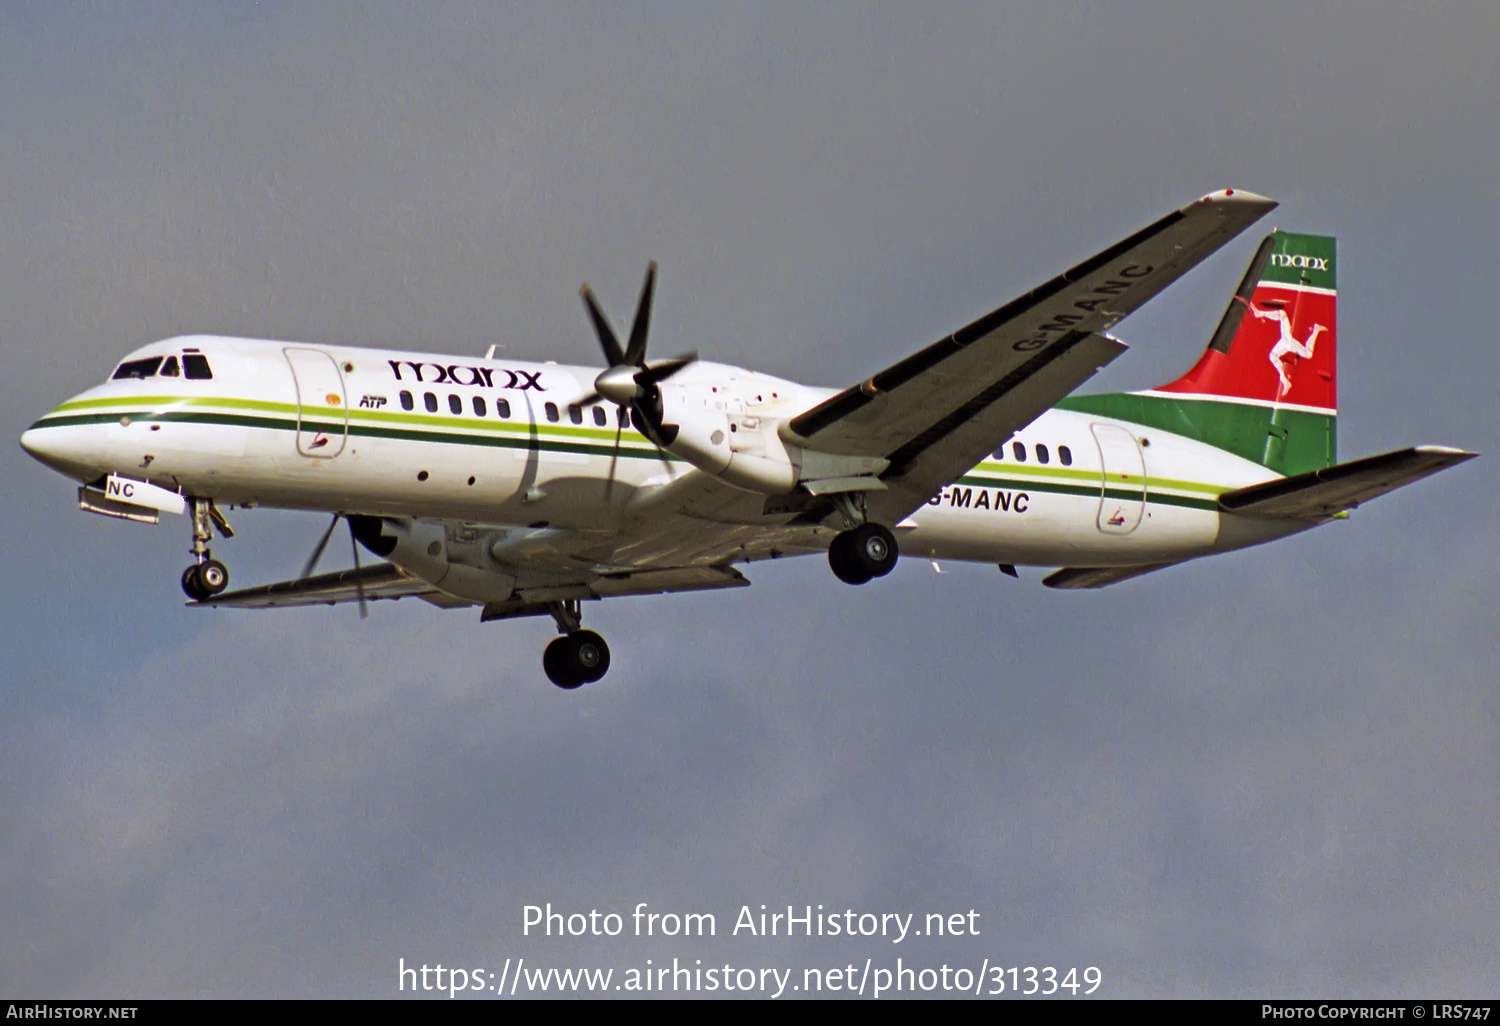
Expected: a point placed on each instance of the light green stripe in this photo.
(1057, 474)
(456, 429)
(130, 405)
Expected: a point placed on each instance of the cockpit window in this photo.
(195, 367)
(137, 368)
(170, 369)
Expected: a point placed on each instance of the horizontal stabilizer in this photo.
(1070, 578)
(381, 581)
(1324, 493)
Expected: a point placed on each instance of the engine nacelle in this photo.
(451, 557)
(717, 445)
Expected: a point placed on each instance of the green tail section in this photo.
(1265, 387)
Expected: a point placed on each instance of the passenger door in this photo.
(1122, 486)
(322, 405)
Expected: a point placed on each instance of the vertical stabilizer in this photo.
(1266, 387)
(1276, 344)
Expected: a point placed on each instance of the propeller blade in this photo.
(312, 561)
(654, 433)
(359, 583)
(613, 355)
(635, 355)
(614, 457)
(659, 372)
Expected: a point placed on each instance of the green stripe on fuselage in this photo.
(1286, 441)
(582, 441)
(1054, 487)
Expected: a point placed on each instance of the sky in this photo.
(1268, 774)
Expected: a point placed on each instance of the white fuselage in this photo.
(355, 430)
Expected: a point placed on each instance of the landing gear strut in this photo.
(863, 552)
(206, 577)
(578, 657)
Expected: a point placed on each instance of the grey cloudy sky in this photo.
(1273, 773)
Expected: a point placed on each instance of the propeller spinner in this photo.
(629, 382)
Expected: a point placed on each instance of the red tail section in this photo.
(1276, 345)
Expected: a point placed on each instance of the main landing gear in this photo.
(577, 658)
(207, 577)
(863, 552)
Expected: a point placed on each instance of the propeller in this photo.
(317, 554)
(630, 382)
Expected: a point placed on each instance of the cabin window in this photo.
(624, 416)
(1020, 451)
(455, 405)
(195, 367)
(170, 368)
(1065, 455)
(137, 368)
(430, 401)
(406, 401)
(998, 454)
(1042, 455)
(575, 414)
(502, 408)
(599, 418)
(479, 407)
(551, 409)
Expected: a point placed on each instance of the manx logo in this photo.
(1305, 263)
(455, 374)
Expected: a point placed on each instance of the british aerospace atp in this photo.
(529, 489)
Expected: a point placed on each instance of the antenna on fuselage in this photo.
(490, 354)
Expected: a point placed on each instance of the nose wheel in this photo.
(863, 552)
(205, 580)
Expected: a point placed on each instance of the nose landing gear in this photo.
(205, 580)
(863, 552)
(207, 577)
(577, 658)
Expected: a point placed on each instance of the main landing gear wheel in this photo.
(205, 580)
(576, 659)
(867, 551)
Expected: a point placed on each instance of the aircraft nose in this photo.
(34, 442)
(63, 449)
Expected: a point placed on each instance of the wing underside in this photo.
(381, 581)
(387, 581)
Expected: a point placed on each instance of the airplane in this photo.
(528, 489)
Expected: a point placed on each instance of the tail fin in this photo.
(1265, 389)
(1276, 345)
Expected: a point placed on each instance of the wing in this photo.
(381, 581)
(938, 412)
(1325, 493)
(386, 581)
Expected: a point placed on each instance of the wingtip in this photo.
(1457, 455)
(1240, 196)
